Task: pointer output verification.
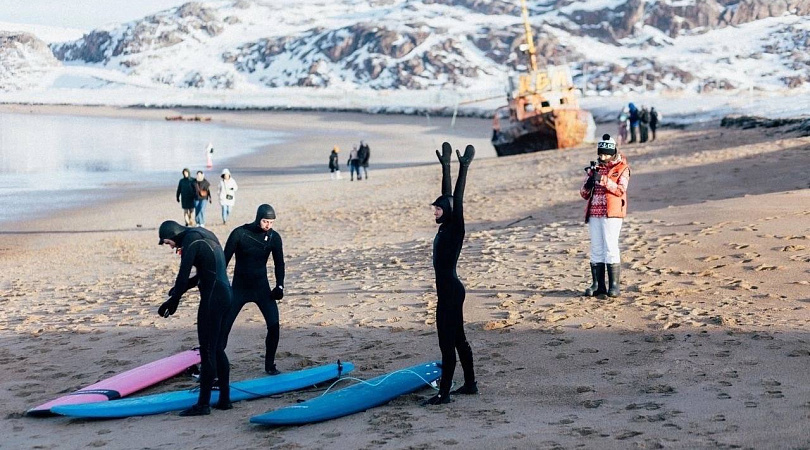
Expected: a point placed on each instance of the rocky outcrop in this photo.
(372, 55)
(490, 7)
(639, 74)
(24, 60)
(189, 21)
(502, 47)
(800, 124)
(341, 43)
(608, 25)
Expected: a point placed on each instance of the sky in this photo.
(81, 14)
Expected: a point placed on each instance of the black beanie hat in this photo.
(170, 230)
(264, 211)
(445, 202)
(607, 146)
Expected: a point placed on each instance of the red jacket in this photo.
(609, 197)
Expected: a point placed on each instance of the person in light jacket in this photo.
(227, 194)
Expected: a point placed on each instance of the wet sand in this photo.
(707, 347)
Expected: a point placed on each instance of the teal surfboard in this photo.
(178, 400)
(355, 398)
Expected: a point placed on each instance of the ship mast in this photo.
(529, 38)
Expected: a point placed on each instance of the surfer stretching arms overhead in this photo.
(252, 244)
(200, 248)
(449, 214)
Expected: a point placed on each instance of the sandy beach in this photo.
(708, 346)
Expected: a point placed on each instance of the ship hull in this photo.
(557, 129)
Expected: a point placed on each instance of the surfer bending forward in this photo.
(449, 214)
(252, 244)
(201, 249)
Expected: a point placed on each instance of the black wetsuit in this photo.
(201, 249)
(450, 291)
(252, 248)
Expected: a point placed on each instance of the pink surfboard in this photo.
(123, 384)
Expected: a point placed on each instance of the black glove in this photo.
(469, 154)
(277, 293)
(171, 292)
(168, 308)
(446, 155)
(589, 184)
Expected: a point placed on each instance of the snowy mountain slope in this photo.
(248, 47)
(25, 61)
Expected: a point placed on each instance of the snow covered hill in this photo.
(222, 51)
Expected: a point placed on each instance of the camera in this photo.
(590, 170)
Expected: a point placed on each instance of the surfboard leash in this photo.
(381, 381)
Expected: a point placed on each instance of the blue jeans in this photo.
(199, 210)
(226, 212)
(354, 167)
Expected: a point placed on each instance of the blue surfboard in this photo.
(178, 400)
(354, 399)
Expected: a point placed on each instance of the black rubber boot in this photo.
(469, 388)
(271, 370)
(614, 274)
(196, 410)
(438, 399)
(601, 289)
(224, 406)
(594, 286)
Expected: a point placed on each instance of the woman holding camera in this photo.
(227, 194)
(605, 189)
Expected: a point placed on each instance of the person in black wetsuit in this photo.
(448, 211)
(200, 248)
(252, 244)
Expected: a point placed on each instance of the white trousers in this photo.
(605, 239)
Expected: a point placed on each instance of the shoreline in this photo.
(705, 348)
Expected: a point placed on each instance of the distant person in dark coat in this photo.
(644, 121)
(364, 152)
(203, 191)
(633, 122)
(186, 195)
(334, 164)
(653, 121)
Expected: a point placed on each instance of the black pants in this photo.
(257, 292)
(450, 327)
(212, 332)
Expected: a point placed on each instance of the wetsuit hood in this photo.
(264, 211)
(171, 230)
(445, 202)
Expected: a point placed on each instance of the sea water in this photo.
(49, 163)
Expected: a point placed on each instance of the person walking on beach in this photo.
(334, 164)
(605, 189)
(653, 121)
(364, 153)
(227, 194)
(449, 214)
(354, 164)
(202, 196)
(644, 121)
(199, 248)
(622, 126)
(252, 244)
(633, 118)
(186, 196)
